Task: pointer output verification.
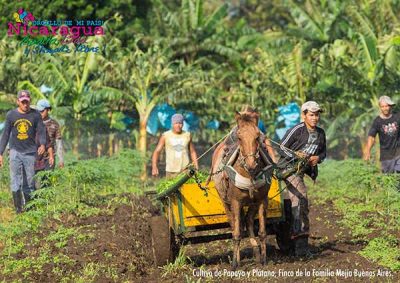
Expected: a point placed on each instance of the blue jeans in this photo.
(22, 167)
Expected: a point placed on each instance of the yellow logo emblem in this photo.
(22, 126)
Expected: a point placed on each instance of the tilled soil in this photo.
(335, 258)
(113, 243)
(117, 246)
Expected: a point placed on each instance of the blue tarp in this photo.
(261, 126)
(290, 114)
(213, 124)
(160, 119)
(191, 122)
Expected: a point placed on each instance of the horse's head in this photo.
(248, 136)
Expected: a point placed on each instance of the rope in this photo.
(201, 156)
(220, 140)
(280, 146)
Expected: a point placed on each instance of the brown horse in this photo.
(234, 192)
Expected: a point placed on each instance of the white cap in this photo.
(387, 100)
(311, 106)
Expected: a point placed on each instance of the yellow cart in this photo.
(187, 208)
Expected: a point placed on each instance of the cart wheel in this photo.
(164, 246)
(283, 233)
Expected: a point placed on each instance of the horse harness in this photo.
(232, 155)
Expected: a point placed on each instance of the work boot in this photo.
(28, 198)
(301, 247)
(18, 201)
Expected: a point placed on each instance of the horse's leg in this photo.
(250, 229)
(228, 214)
(236, 208)
(222, 186)
(262, 233)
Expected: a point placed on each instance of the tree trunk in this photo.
(363, 142)
(89, 144)
(76, 139)
(142, 144)
(111, 144)
(99, 148)
(119, 145)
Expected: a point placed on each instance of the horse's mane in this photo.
(249, 117)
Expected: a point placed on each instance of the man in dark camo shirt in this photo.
(53, 130)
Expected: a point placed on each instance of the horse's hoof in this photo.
(263, 261)
(235, 265)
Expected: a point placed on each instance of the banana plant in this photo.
(191, 33)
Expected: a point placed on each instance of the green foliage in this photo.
(384, 250)
(166, 183)
(61, 236)
(180, 263)
(212, 57)
(370, 205)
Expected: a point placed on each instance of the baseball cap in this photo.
(311, 106)
(42, 104)
(24, 95)
(386, 99)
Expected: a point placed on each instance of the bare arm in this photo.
(156, 154)
(51, 155)
(368, 147)
(60, 152)
(4, 138)
(193, 154)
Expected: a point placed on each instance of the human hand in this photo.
(154, 171)
(41, 149)
(301, 154)
(1, 160)
(367, 156)
(313, 160)
(51, 161)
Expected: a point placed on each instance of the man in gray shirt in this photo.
(20, 130)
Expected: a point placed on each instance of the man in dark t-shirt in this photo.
(20, 130)
(386, 125)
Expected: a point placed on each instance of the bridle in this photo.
(242, 158)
